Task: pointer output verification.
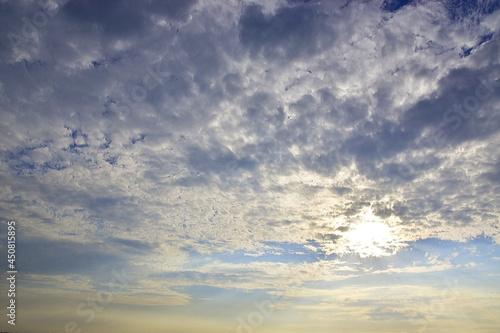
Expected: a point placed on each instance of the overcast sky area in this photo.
(264, 166)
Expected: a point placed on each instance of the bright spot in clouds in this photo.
(371, 236)
(222, 146)
(369, 239)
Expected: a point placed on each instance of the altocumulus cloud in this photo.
(162, 133)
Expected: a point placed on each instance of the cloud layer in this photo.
(158, 134)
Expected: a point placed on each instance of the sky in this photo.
(261, 166)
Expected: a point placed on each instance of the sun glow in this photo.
(370, 239)
(371, 236)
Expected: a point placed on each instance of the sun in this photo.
(370, 239)
(367, 234)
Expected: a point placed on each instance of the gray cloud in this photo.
(292, 32)
(222, 127)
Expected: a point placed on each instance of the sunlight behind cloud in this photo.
(370, 239)
(370, 236)
(175, 165)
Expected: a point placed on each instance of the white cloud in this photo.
(274, 124)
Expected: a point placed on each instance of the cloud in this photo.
(203, 127)
(292, 32)
(173, 133)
